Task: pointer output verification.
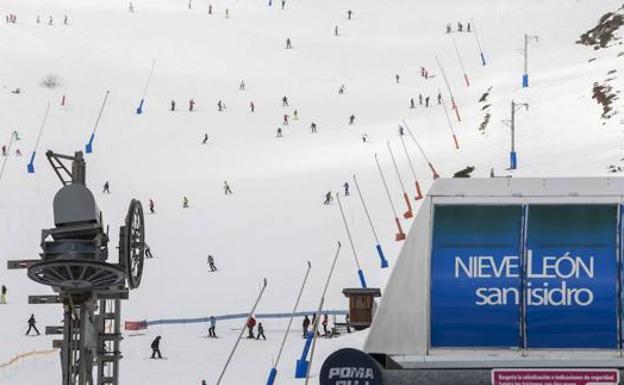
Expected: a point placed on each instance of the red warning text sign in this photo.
(555, 376)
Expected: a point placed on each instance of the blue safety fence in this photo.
(176, 321)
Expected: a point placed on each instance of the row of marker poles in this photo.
(400, 235)
(448, 87)
(461, 63)
(273, 372)
(251, 313)
(450, 125)
(89, 145)
(31, 165)
(357, 261)
(382, 257)
(419, 195)
(318, 316)
(422, 152)
(408, 214)
(7, 154)
(139, 110)
(476, 35)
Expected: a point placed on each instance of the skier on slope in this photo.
(252, 106)
(401, 131)
(412, 103)
(351, 119)
(16, 135)
(341, 90)
(285, 101)
(285, 122)
(364, 138)
(148, 251)
(226, 188)
(324, 322)
(3, 295)
(50, 21)
(420, 99)
(220, 105)
(65, 20)
(460, 27)
(279, 132)
(427, 101)
(210, 9)
(156, 348)
(448, 28)
(185, 203)
(151, 206)
(312, 127)
(18, 152)
(241, 86)
(346, 188)
(296, 115)
(260, 331)
(288, 43)
(283, 4)
(131, 7)
(205, 139)
(251, 324)
(106, 189)
(336, 30)
(172, 105)
(468, 27)
(349, 13)
(191, 104)
(211, 263)
(439, 98)
(396, 78)
(306, 325)
(213, 325)
(31, 325)
(4, 150)
(328, 198)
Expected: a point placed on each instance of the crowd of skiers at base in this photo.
(423, 101)
(460, 27)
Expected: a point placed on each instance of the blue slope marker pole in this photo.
(382, 257)
(357, 262)
(476, 34)
(89, 145)
(31, 166)
(302, 364)
(139, 110)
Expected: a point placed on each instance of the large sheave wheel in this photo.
(135, 243)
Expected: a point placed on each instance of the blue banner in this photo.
(571, 275)
(475, 273)
(563, 275)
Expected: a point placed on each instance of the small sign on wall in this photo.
(555, 376)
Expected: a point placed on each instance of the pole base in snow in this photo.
(89, 146)
(513, 160)
(525, 80)
(419, 195)
(483, 59)
(362, 279)
(301, 371)
(31, 168)
(384, 261)
(139, 110)
(272, 375)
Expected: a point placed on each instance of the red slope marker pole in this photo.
(448, 87)
(408, 214)
(400, 235)
(419, 195)
(450, 125)
(461, 63)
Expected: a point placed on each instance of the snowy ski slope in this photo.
(275, 221)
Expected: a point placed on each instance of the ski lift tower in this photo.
(90, 288)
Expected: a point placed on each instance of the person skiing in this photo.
(251, 324)
(16, 135)
(205, 139)
(427, 101)
(306, 325)
(151, 206)
(226, 188)
(4, 150)
(211, 263)
(401, 131)
(252, 106)
(351, 119)
(65, 20)
(324, 322)
(260, 332)
(131, 7)
(285, 122)
(420, 99)
(3, 295)
(396, 78)
(148, 251)
(227, 13)
(460, 27)
(156, 348)
(241, 86)
(412, 103)
(349, 13)
(364, 138)
(328, 198)
(346, 188)
(312, 127)
(439, 98)
(341, 90)
(172, 105)
(190, 4)
(285, 101)
(106, 189)
(210, 9)
(288, 43)
(185, 203)
(213, 325)
(279, 132)
(38, 19)
(283, 3)
(468, 27)
(295, 115)
(191, 104)
(31, 325)
(18, 152)
(336, 30)
(50, 21)
(448, 28)
(220, 105)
